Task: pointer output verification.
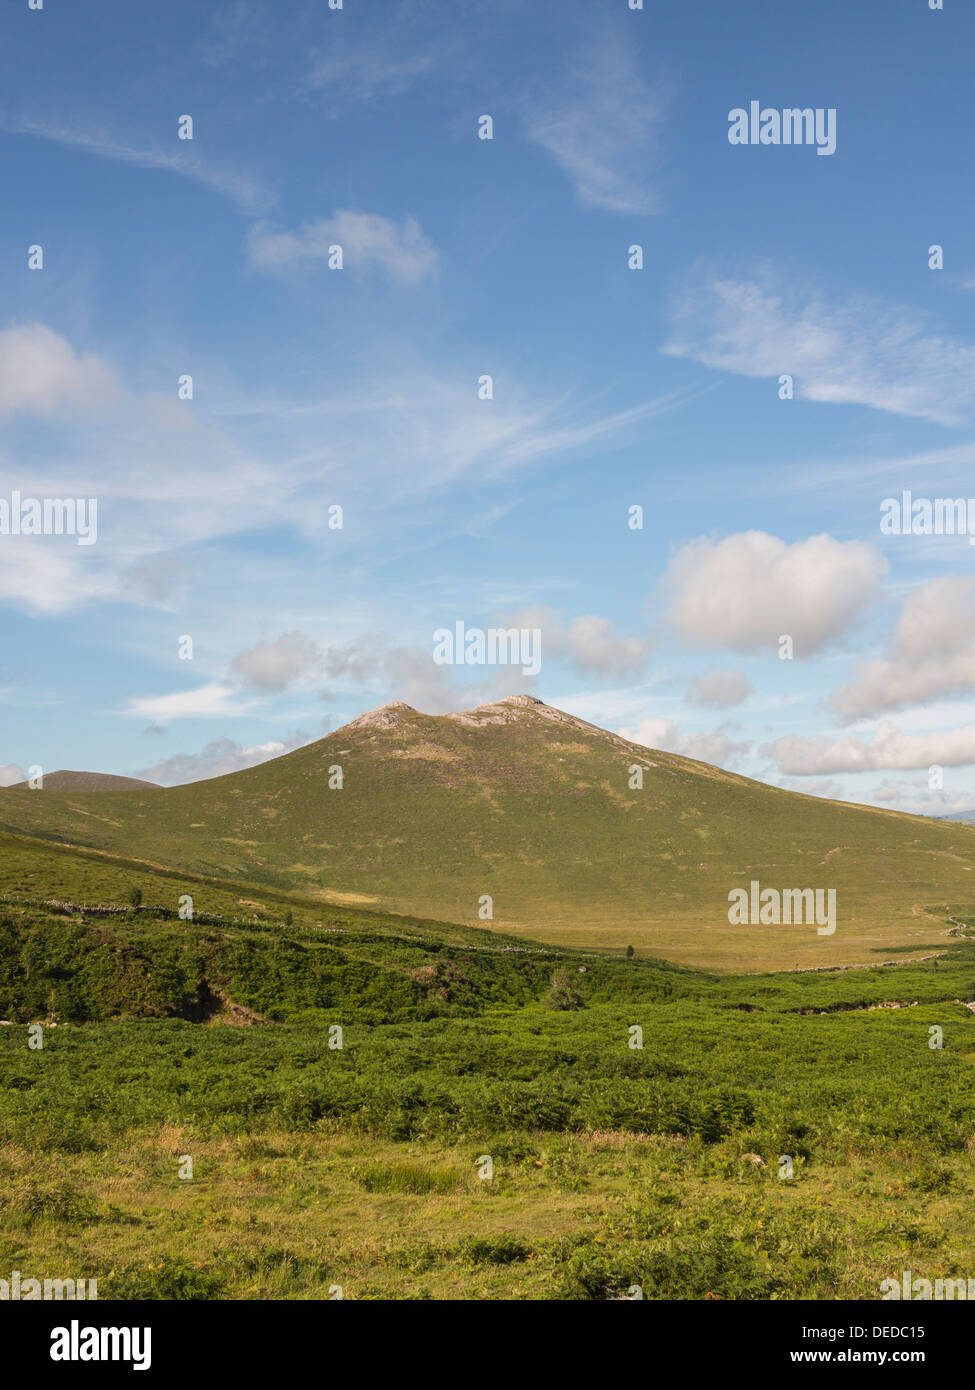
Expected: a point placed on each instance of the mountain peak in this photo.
(523, 701)
(385, 717)
(509, 709)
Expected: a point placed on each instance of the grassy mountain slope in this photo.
(72, 946)
(65, 781)
(533, 807)
(74, 949)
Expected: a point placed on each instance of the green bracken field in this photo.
(487, 1128)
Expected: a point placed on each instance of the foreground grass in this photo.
(275, 1215)
(408, 1117)
(363, 1169)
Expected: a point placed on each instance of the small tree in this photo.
(135, 897)
(630, 953)
(289, 917)
(562, 993)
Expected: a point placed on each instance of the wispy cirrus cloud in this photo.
(148, 454)
(250, 195)
(151, 455)
(213, 700)
(45, 578)
(861, 351)
(378, 62)
(389, 64)
(434, 432)
(601, 124)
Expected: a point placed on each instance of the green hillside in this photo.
(535, 808)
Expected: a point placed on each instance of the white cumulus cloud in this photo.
(748, 590)
(932, 653)
(707, 747)
(278, 664)
(40, 372)
(718, 689)
(216, 759)
(889, 749)
(589, 643)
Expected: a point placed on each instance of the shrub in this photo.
(407, 1177)
(62, 1204)
(170, 1278)
(932, 1180)
(562, 993)
(492, 1250)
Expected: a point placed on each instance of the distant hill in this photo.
(967, 816)
(541, 813)
(65, 781)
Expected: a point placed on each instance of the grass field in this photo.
(279, 1215)
(363, 1167)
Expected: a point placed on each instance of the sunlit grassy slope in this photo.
(537, 810)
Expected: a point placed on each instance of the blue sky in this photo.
(315, 387)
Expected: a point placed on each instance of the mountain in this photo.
(65, 781)
(967, 816)
(539, 811)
